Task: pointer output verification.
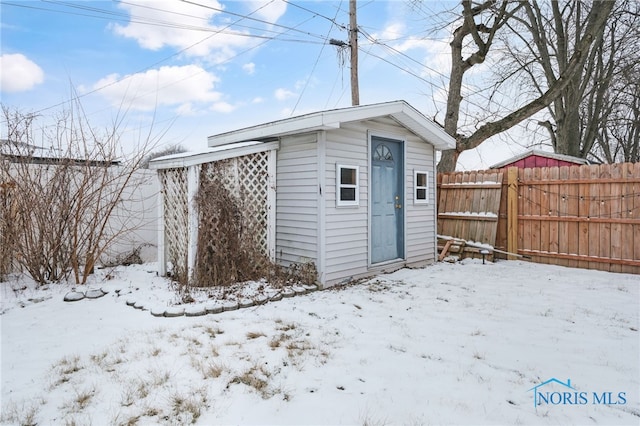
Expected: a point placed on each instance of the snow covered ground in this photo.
(462, 343)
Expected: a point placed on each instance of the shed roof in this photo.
(186, 159)
(400, 111)
(561, 157)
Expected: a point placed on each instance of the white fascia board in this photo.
(424, 127)
(404, 114)
(308, 123)
(323, 120)
(216, 154)
(401, 111)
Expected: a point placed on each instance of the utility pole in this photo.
(353, 43)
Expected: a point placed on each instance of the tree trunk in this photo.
(448, 161)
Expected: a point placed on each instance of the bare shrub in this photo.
(228, 251)
(231, 232)
(64, 199)
(7, 229)
(132, 257)
(296, 273)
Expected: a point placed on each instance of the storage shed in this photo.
(537, 158)
(351, 190)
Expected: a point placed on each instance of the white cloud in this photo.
(18, 73)
(283, 94)
(181, 86)
(181, 25)
(258, 100)
(392, 31)
(437, 53)
(309, 82)
(249, 68)
(186, 109)
(286, 112)
(269, 10)
(222, 107)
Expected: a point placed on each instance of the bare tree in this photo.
(64, 199)
(618, 138)
(613, 130)
(503, 13)
(579, 114)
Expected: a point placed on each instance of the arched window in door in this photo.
(382, 153)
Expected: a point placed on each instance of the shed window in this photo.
(421, 187)
(347, 190)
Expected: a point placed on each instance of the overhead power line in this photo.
(216, 32)
(288, 28)
(317, 59)
(332, 20)
(88, 10)
(126, 18)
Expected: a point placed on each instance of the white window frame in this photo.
(416, 187)
(339, 185)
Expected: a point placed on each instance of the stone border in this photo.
(195, 310)
(220, 306)
(76, 295)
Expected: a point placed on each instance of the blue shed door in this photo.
(387, 200)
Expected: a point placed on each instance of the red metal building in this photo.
(536, 158)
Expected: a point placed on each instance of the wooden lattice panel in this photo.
(176, 225)
(253, 179)
(247, 178)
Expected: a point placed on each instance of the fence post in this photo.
(193, 184)
(512, 211)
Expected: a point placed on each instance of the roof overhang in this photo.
(400, 111)
(186, 159)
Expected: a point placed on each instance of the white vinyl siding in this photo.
(346, 234)
(339, 242)
(296, 199)
(420, 218)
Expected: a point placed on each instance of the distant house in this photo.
(351, 190)
(136, 211)
(537, 158)
(14, 147)
(18, 152)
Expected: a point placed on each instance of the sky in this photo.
(184, 70)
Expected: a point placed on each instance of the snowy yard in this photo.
(448, 344)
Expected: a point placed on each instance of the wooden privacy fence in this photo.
(468, 206)
(579, 216)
